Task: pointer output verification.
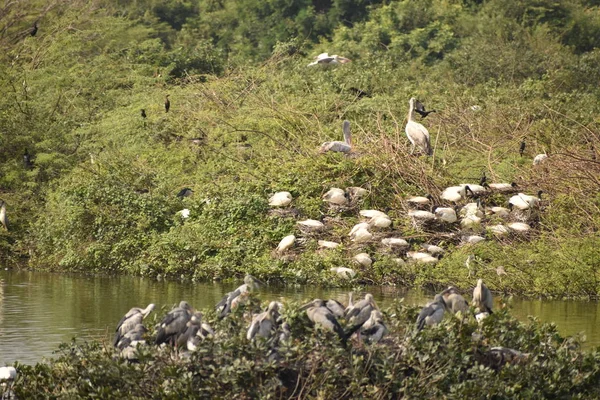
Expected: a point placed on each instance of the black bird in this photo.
(185, 192)
(27, 160)
(34, 29)
(359, 92)
(143, 114)
(522, 148)
(483, 179)
(167, 103)
(420, 108)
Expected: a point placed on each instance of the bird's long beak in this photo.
(305, 306)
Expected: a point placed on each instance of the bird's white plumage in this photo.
(286, 243)
(280, 199)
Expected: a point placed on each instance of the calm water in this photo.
(38, 311)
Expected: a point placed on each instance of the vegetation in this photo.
(456, 359)
(247, 117)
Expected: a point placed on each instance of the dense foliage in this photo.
(454, 360)
(247, 117)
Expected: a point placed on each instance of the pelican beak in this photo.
(307, 305)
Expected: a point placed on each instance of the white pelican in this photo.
(336, 196)
(286, 243)
(482, 297)
(416, 132)
(363, 259)
(342, 147)
(280, 199)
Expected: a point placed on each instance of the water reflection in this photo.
(38, 311)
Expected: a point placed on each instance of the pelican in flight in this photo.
(416, 132)
(341, 147)
(326, 59)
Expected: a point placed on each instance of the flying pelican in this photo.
(174, 324)
(322, 316)
(336, 196)
(280, 199)
(130, 320)
(432, 313)
(482, 297)
(286, 243)
(326, 59)
(263, 323)
(374, 329)
(167, 103)
(3, 216)
(342, 147)
(416, 132)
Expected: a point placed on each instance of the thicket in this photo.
(248, 115)
(456, 359)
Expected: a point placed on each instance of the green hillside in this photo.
(248, 116)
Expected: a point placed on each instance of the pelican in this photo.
(524, 202)
(343, 272)
(322, 316)
(432, 313)
(519, 227)
(363, 259)
(174, 324)
(360, 312)
(226, 304)
(373, 330)
(280, 199)
(185, 340)
(336, 196)
(286, 243)
(130, 320)
(446, 214)
(327, 244)
(395, 242)
(416, 132)
(456, 193)
(336, 308)
(167, 103)
(3, 217)
(263, 323)
(454, 301)
(342, 147)
(326, 59)
(482, 297)
(539, 158)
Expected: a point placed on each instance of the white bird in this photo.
(336, 196)
(419, 200)
(337, 146)
(8, 373)
(394, 242)
(470, 222)
(456, 193)
(185, 213)
(473, 239)
(311, 225)
(363, 259)
(481, 316)
(263, 323)
(498, 230)
(519, 227)
(361, 236)
(476, 189)
(355, 192)
(280, 199)
(482, 297)
(472, 209)
(380, 222)
(286, 243)
(503, 187)
(524, 202)
(446, 214)
(373, 214)
(539, 158)
(3, 216)
(422, 257)
(432, 249)
(326, 59)
(357, 227)
(501, 212)
(343, 272)
(421, 215)
(417, 134)
(327, 244)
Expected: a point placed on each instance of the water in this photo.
(38, 311)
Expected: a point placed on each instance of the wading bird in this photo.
(482, 297)
(226, 304)
(524, 202)
(416, 132)
(167, 103)
(432, 313)
(133, 318)
(374, 329)
(454, 301)
(174, 324)
(264, 324)
(342, 147)
(336, 196)
(539, 158)
(286, 243)
(34, 29)
(322, 316)
(131, 339)
(360, 312)
(3, 216)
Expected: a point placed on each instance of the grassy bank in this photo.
(247, 118)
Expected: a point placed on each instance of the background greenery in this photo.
(101, 195)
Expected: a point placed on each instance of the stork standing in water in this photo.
(130, 321)
(416, 132)
(342, 147)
